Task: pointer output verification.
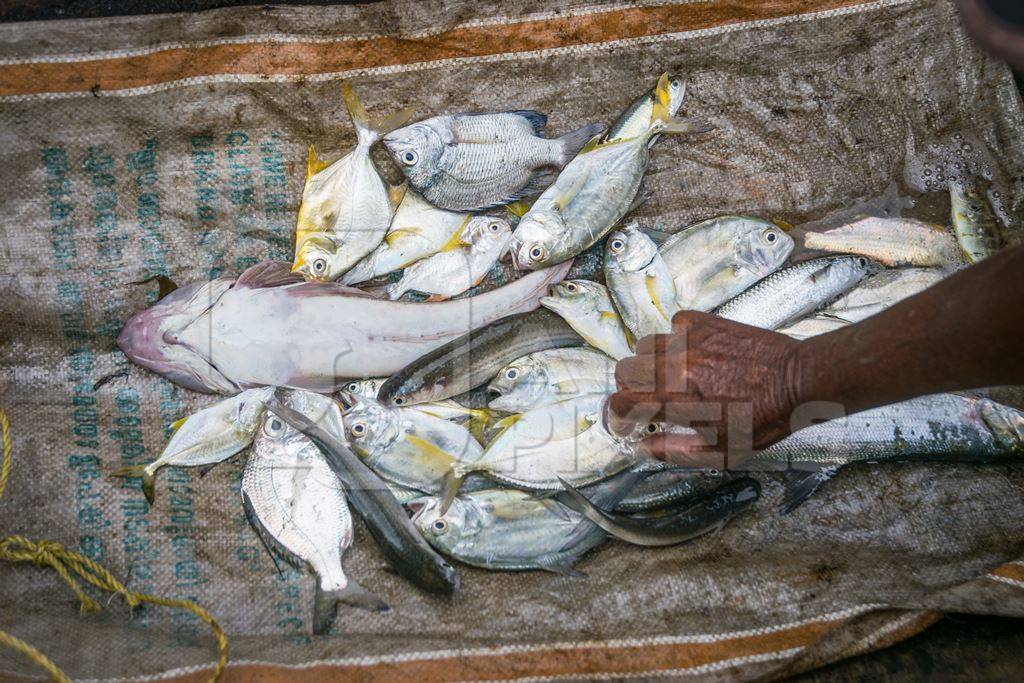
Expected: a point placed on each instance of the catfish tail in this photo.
(369, 131)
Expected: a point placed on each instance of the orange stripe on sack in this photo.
(1010, 573)
(316, 57)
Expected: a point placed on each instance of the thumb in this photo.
(686, 450)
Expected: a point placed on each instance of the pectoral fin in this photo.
(314, 164)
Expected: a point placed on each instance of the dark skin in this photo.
(744, 388)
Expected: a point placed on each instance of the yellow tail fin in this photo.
(140, 472)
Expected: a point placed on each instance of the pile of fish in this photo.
(369, 400)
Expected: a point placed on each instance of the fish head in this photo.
(518, 385)
(573, 298)
(417, 150)
(486, 232)
(535, 240)
(1005, 422)
(370, 426)
(457, 525)
(676, 90)
(152, 338)
(278, 439)
(317, 259)
(762, 246)
(365, 387)
(629, 249)
(250, 409)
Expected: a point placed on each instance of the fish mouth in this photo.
(347, 400)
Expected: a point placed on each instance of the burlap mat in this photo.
(150, 144)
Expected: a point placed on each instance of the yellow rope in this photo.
(74, 567)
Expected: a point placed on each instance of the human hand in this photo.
(736, 385)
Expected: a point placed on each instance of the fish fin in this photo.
(801, 485)
(392, 236)
(450, 488)
(659, 237)
(268, 274)
(166, 284)
(370, 131)
(595, 142)
(206, 469)
(540, 180)
(563, 199)
(325, 604)
(519, 207)
(140, 472)
(562, 567)
(662, 120)
(784, 225)
(271, 544)
(176, 425)
(480, 421)
(437, 298)
(537, 120)
(457, 239)
(314, 164)
(819, 272)
(690, 125)
(555, 508)
(395, 290)
(397, 193)
(574, 141)
(639, 201)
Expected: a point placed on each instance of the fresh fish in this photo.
(877, 293)
(539, 379)
(793, 292)
(473, 359)
(640, 283)
(670, 527)
(717, 259)
(566, 439)
(587, 307)
(207, 437)
(405, 446)
(297, 505)
(665, 488)
(365, 387)
(892, 242)
(974, 222)
(417, 231)
(452, 272)
(635, 121)
(592, 193)
(403, 546)
(269, 328)
(940, 427)
(467, 162)
(346, 207)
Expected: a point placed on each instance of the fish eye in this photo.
(617, 245)
(410, 158)
(358, 429)
(537, 253)
(651, 428)
(675, 83)
(399, 400)
(571, 288)
(494, 227)
(439, 526)
(770, 236)
(319, 266)
(511, 373)
(352, 386)
(273, 427)
(862, 262)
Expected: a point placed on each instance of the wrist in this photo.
(811, 372)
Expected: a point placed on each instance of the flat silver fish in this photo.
(587, 307)
(638, 116)
(639, 282)
(546, 377)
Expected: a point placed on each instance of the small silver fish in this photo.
(638, 117)
(207, 437)
(587, 307)
(546, 377)
(468, 162)
(297, 505)
(640, 282)
(892, 242)
(974, 222)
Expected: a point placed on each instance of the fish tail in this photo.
(1006, 424)
(140, 472)
(571, 143)
(662, 120)
(450, 486)
(480, 421)
(370, 131)
(395, 290)
(325, 604)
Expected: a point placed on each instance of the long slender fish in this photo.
(639, 282)
(717, 259)
(587, 307)
(793, 292)
(206, 437)
(892, 242)
(974, 222)
(473, 359)
(297, 505)
(417, 231)
(545, 377)
(475, 161)
(403, 546)
(346, 207)
(269, 328)
(592, 193)
(707, 515)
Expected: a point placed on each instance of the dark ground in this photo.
(961, 647)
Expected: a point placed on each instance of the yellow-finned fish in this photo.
(974, 222)
(346, 206)
(640, 282)
(589, 310)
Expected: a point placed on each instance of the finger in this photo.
(686, 450)
(647, 344)
(627, 409)
(635, 374)
(685, 319)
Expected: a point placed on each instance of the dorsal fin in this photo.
(268, 274)
(314, 164)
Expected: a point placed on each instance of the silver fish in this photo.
(716, 259)
(592, 193)
(587, 307)
(892, 242)
(449, 273)
(546, 377)
(207, 437)
(346, 207)
(297, 505)
(468, 162)
(639, 282)
(638, 117)
(793, 292)
(417, 231)
(974, 222)
(270, 328)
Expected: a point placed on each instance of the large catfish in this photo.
(269, 327)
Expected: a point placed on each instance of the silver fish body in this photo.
(893, 242)
(791, 293)
(639, 282)
(587, 307)
(546, 377)
(637, 118)
(717, 259)
(298, 505)
(475, 161)
(974, 222)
